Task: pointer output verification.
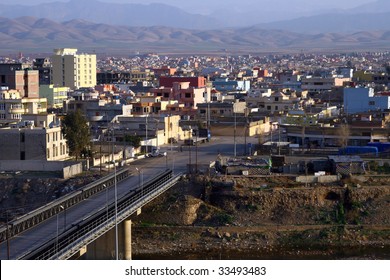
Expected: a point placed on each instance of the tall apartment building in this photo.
(73, 70)
(20, 77)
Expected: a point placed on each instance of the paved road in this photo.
(147, 168)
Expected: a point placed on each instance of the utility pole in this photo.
(235, 128)
(146, 134)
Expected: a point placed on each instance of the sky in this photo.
(209, 6)
(242, 12)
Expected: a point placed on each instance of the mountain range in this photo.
(123, 28)
(30, 34)
(304, 16)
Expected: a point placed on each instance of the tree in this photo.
(76, 131)
(343, 132)
(133, 140)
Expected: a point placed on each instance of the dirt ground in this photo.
(266, 218)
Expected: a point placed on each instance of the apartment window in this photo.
(371, 103)
(2, 106)
(48, 138)
(48, 153)
(276, 98)
(22, 137)
(188, 95)
(2, 79)
(269, 108)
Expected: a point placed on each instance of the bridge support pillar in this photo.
(127, 239)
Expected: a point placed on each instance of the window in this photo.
(371, 103)
(188, 95)
(276, 99)
(269, 108)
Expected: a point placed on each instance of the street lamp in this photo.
(105, 186)
(140, 181)
(58, 214)
(116, 198)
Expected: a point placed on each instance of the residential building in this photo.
(320, 84)
(277, 102)
(195, 82)
(219, 110)
(20, 77)
(43, 66)
(364, 100)
(223, 84)
(37, 137)
(13, 105)
(55, 95)
(73, 70)
(184, 94)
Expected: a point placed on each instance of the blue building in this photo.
(358, 100)
(223, 84)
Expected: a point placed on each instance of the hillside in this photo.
(31, 34)
(266, 218)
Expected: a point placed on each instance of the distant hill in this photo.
(112, 13)
(42, 35)
(335, 22)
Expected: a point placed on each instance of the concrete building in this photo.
(43, 66)
(196, 82)
(223, 84)
(155, 130)
(55, 95)
(277, 102)
(320, 84)
(37, 137)
(184, 94)
(20, 77)
(98, 112)
(73, 70)
(13, 105)
(363, 100)
(220, 109)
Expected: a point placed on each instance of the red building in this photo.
(196, 82)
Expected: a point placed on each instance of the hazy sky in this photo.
(205, 6)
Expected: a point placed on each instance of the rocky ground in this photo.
(22, 193)
(266, 218)
(241, 218)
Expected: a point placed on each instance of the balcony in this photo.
(97, 118)
(16, 110)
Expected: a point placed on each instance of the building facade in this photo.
(73, 70)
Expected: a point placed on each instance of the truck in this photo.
(359, 150)
(156, 153)
(382, 146)
(201, 136)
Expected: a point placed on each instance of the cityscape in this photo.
(226, 142)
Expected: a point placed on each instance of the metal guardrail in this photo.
(51, 209)
(91, 228)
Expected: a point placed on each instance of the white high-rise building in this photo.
(73, 70)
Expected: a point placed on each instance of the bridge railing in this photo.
(51, 209)
(87, 230)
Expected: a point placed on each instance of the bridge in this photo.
(64, 228)
(40, 234)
